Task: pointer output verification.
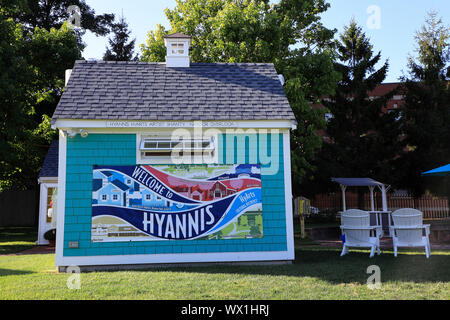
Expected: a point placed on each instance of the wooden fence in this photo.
(432, 207)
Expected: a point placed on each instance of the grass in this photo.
(318, 273)
(16, 239)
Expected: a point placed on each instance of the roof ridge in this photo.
(99, 61)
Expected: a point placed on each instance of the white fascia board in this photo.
(145, 125)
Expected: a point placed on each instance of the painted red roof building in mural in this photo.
(204, 190)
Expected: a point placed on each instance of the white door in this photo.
(44, 205)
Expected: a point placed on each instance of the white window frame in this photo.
(115, 196)
(104, 195)
(180, 46)
(143, 155)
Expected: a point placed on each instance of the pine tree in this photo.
(361, 138)
(120, 49)
(426, 113)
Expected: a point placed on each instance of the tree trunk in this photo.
(302, 227)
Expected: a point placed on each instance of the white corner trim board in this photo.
(61, 198)
(288, 195)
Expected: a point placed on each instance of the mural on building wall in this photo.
(177, 202)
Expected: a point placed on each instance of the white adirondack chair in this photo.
(357, 232)
(408, 228)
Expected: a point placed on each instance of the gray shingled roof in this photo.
(110, 90)
(50, 165)
(177, 35)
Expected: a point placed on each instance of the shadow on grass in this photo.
(12, 272)
(17, 233)
(13, 240)
(15, 248)
(326, 264)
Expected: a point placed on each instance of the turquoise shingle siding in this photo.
(120, 149)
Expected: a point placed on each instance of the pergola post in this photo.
(383, 197)
(344, 207)
(372, 205)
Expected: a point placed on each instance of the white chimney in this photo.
(68, 73)
(177, 45)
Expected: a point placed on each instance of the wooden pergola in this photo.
(363, 182)
(371, 184)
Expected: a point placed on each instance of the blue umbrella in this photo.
(441, 171)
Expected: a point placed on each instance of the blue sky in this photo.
(390, 24)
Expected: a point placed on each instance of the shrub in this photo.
(50, 235)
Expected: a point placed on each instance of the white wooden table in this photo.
(384, 223)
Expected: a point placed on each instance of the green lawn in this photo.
(16, 239)
(318, 273)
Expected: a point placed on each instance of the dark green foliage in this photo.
(119, 48)
(426, 113)
(14, 109)
(361, 139)
(37, 47)
(52, 14)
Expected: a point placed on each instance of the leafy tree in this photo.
(310, 77)
(243, 221)
(32, 81)
(288, 34)
(120, 49)
(14, 84)
(37, 47)
(426, 112)
(154, 49)
(52, 46)
(50, 53)
(361, 139)
(254, 231)
(46, 15)
(259, 221)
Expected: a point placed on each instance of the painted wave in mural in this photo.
(161, 202)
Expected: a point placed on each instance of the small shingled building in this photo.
(201, 152)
